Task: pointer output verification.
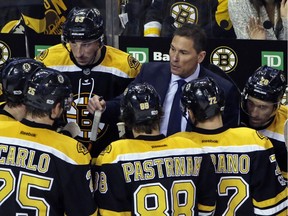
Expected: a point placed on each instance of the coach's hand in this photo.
(96, 103)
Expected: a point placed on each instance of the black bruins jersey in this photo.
(43, 172)
(212, 16)
(108, 78)
(18, 16)
(155, 176)
(42, 16)
(275, 132)
(249, 179)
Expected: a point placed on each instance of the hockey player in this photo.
(263, 111)
(93, 68)
(44, 172)
(249, 179)
(14, 76)
(151, 174)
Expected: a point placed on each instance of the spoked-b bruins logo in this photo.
(5, 53)
(183, 12)
(225, 58)
(79, 114)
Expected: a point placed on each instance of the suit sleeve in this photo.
(112, 112)
(231, 113)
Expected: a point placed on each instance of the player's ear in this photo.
(56, 111)
(191, 116)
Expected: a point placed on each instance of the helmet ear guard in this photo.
(203, 97)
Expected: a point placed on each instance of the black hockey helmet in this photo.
(48, 87)
(266, 83)
(83, 24)
(204, 97)
(139, 104)
(14, 75)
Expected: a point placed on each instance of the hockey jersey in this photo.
(40, 16)
(43, 172)
(108, 78)
(155, 176)
(275, 132)
(248, 177)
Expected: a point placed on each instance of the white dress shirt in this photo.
(167, 105)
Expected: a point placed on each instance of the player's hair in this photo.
(14, 76)
(46, 88)
(83, 24)
(140, 108)
(195, 33)
(203, 97)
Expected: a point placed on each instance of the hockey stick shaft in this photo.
(95, 124)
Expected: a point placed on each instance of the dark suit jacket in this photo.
(158, 74)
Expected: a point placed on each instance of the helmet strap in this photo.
(50, 116)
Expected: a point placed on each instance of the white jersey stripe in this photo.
(236, 149)
(273, 135)
(273, 210)
(98, 68)
(37, 146)
(162, 153)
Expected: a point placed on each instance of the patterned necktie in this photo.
(174, 124)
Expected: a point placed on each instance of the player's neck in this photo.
(41, 120)
(47, 119)
(211, 123)
(154, 133)
(17, 112)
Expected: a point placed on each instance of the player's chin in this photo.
(255, 123)
(82, 63)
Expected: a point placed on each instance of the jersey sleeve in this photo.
(77, 187)
(268, 196)
(110, 190)
(206, 194)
